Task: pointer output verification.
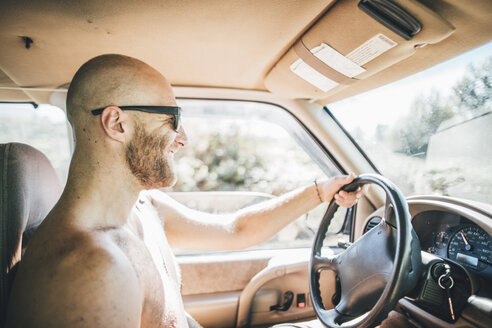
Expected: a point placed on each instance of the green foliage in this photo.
(233, 157)
(217, 164)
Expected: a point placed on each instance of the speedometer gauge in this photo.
(441, 239)
(470, 246)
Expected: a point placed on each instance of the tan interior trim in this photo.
(475, 212)
(213, 310)
(201, 277)
(240, 44)
(458, 207)
(195, 43)
(41, 89)
(269, 273)
(332, 30)
(309, 58)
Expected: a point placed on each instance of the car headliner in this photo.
(195, 43)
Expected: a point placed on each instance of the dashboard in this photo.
(457, 233)
(452, 236)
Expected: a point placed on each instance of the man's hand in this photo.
(329, 190)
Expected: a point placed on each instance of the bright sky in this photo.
(386, 104)
(49, 112)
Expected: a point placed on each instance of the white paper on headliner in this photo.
(371, 49)
(330, 57)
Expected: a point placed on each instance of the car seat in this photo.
(29, 188)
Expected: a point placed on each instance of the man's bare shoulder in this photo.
(76, 279)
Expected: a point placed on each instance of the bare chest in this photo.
(159, 279)
(161, 293)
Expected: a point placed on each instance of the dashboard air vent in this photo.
(374, 221)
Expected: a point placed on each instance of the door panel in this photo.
(208, 274)
(238, 288)
(213, 310)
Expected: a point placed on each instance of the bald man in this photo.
(102, 258)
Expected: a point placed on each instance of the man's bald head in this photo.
(123, 145)
(114, 80)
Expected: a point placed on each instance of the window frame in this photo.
(315, 151)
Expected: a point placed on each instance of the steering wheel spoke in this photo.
(334, 318)
(387, 209)
(320, 263)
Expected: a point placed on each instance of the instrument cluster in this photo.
(452, 236)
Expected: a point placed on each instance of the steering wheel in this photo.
(376, 270)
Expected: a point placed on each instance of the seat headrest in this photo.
(29, 188)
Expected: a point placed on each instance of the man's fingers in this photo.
(331, 189)
(346, 203)
(343, 180)
(348, 199)
(356, 194)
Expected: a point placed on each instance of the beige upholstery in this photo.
(345, 27)
(222, 44)
(29, 188)
(194, 43)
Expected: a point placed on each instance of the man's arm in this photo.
(90, 287)
(186, 228)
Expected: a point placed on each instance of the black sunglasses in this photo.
(172, 110)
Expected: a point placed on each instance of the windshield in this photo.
(430, 133)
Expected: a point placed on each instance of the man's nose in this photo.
(182, 138)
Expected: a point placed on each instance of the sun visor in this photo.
(350, 43)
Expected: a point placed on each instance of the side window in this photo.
(45, 128)
(242, 153)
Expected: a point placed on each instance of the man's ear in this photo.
(114, 120)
